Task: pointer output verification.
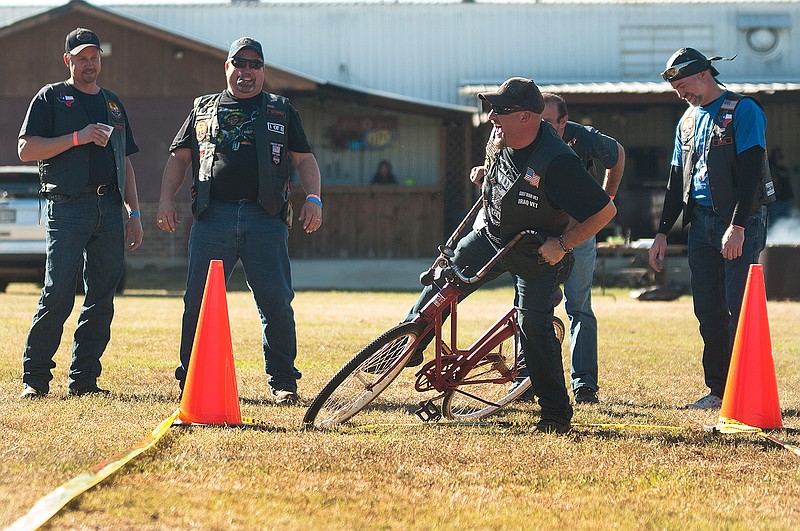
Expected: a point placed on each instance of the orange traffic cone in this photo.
(751, 392)
(210, 395)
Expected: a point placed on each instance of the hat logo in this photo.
(84, 36)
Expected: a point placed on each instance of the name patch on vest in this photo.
(277, 150)
(721, 141)
(275, 128)
(527, 199)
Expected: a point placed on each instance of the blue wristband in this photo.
(314, 199)
(134, 214)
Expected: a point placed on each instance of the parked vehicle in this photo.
(22, 227)
(23, 245)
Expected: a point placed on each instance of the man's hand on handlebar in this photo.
(551, 251)
(476, 174)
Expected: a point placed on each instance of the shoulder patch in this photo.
(728, 105)
(687, 127)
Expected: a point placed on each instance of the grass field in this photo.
(385, 469)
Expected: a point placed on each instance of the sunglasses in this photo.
(673, 71)
(506, 110)
(255, 64)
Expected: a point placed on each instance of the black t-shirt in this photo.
(39, 122)
(235, 174)
(568, 186)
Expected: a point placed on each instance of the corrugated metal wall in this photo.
(427, 51)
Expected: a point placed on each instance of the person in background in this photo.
(719, 178)
(591, 146)
(384, 174)
(80, 134)
(239, 144)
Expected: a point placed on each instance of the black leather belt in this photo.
(99, 189)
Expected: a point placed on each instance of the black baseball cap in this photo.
(516, 93)
(688, 62)
(81, 38)
(245, 42)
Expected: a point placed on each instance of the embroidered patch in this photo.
(114, 109)
(687, 127)
(66, 99)
(201, 130)
(726, 119)
(276, 152)
(532, 178)
(728, 105)
(527, 199)
(275, 128)
(724, 141)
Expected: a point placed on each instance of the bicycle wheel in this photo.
(474, 401)
(363, 378)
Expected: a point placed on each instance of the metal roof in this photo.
(632, 88)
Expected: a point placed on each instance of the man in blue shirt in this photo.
(719, 179)
(590, 145)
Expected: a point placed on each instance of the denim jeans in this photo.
(242, 230)
(718, 285)
(83, 233)
(534, 303)
(582, 322)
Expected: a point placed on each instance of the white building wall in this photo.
(427, 51)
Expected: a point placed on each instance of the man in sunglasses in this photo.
(532, 180)
(240, 144)
(80, 134)
(719, 179)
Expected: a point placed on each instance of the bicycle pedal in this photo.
(429, 412)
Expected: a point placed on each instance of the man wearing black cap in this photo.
(533, 181)
(79, 133)
(239, 144)
(719, 179)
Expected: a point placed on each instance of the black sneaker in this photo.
(90, 390)
(551, 426)
(416, 358)
(586, 395)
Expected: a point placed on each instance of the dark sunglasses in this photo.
(255, 64)
(506, 110)
(673, 71)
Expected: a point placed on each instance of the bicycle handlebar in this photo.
(496, 258)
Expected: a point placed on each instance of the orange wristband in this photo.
(75, 138)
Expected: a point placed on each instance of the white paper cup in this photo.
(108, 129)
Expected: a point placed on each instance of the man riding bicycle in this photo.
(533, 181)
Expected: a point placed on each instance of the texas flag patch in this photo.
(532, 177)
(66, 99)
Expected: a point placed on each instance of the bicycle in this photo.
(472, 383)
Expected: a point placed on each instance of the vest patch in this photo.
(275, 128)
(532, 178)
(728, 105)
(687, 127)
(66, 99)
(201, 131)
(276, 152)
(114, 109)
(527, 199)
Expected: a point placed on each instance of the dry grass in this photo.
(386, 470)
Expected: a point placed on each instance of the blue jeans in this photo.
(718, 285)
(83, 233)
(582, 322)
(534, 303)
(242, 230)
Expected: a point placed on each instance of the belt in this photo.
(99, 189)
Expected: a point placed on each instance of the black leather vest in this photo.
(68, 172)
(524, 205)
(271, 140)
(721, 159)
